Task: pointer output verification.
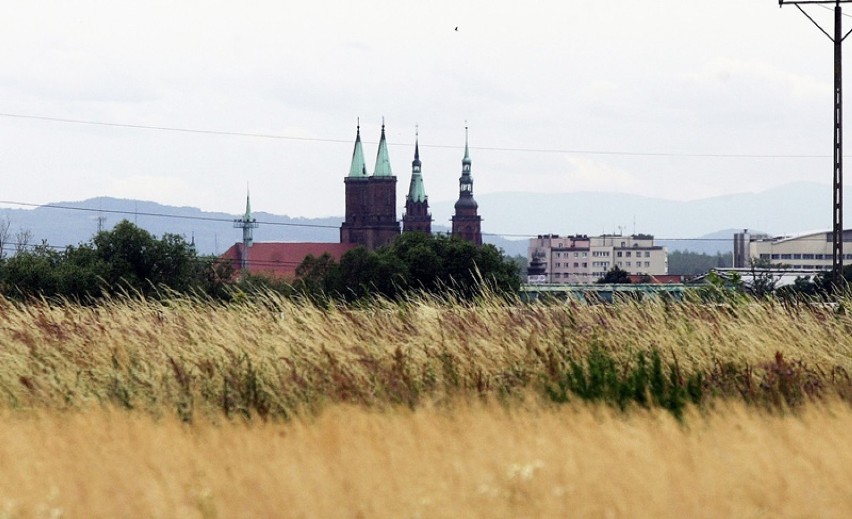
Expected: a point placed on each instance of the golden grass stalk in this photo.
(276, 357)
(478, 460)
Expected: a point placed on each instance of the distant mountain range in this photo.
(705, 225)
(792, 208)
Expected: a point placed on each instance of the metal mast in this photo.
(837, 197)
(247, 223)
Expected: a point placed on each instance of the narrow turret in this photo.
(466, 221)
(416, 216)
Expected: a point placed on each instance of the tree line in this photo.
(129, 260)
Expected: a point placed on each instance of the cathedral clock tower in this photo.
(466, 220)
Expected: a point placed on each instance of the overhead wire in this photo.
(342, 141)
(565, 151)
(288, 224)
(263, 222)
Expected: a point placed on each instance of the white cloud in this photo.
(584, 75)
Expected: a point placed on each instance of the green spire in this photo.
(383, 167)
(358, 167)
(416, 191)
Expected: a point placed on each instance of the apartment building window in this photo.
(764, 256)
(647, 254)
(786, 256)
(797, 256)
(558, 264)
(576, 264)
(618, 263)
(807, 256)
(647, 263)
(585, 265)
(585, 254)
(576, 254)
(627, 254)
(628, 263)
(819, 256)
(618, 254)
(776, 256)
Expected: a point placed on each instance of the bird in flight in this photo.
(457, 29)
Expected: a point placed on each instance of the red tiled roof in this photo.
(281, 259)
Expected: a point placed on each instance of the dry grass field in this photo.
(277, 358)
(426, 408)
(469, 461)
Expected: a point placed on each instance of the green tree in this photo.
(413, 262)
(32, 272)
(616, 275)
(135, 259)
(319, 276)
(126, 258)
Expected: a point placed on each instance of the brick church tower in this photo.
(416, 217)
(370, 200)
(466, 221)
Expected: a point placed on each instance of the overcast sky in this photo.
(657, 88)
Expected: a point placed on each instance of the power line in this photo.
(159, 215)
(314, 226)
(565, 151)
(847, 15)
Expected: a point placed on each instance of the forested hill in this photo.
(71, 223)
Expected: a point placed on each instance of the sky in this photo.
(678, 100)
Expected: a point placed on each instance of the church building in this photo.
(370, 218)
(416, 217)
(466, 220)
(370, 215)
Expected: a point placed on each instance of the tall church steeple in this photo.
(383, 167)
(466, 221)
(416, 216)
(371, 218)
(358, 167)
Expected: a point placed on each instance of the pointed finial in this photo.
(358, 128)
(416, 144)
(466, 159)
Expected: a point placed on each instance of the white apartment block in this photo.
(584, 259)
(806, 252)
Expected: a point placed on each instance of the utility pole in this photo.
(837, 189)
